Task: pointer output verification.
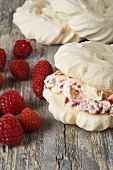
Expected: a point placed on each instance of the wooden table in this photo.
(55, 146)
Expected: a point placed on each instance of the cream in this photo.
(77, 94)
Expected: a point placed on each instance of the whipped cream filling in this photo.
(80, 95)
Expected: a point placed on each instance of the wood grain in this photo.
(55, 146)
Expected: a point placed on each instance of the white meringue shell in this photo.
(89, 62)
(69, 115)
(87, 18)
(37, 20)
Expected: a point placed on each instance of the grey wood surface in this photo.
(55, 146)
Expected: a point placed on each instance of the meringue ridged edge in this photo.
(69, 115)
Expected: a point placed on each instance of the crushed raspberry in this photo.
(74, 84)
(61, 74)
(61, 86)
(77, 92)
(79, 86)
(60, 92)
(75, 104)
(22, 49)
(66, 100)
(110, 100)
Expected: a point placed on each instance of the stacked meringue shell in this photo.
(59, 22)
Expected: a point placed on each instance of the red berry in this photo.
(1, 80)
(38, 86)
(29, 120)
(11, 102)
(42, 68)
(22, 49)
(3, 58)
(11, 132)
(110, 100)
(19, 69)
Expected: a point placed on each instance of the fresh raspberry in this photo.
(22, 49)
(11, 132)
(42, 68)
(3, 58)
(38, 86)
(1, 80)
(29, 120)
(19, 69)
(11, 102)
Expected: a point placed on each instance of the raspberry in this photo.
(11, 102)
(11, 132)
(3, 58)
(110, 100)
(1, 80)
(42, 68)
(29, 120)
(19, 69)
(38, 86)
(22, 49)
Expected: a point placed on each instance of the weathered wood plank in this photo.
(55, 146)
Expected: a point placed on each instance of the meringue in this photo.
(87, 18)
(58, 22)
(69, 115)
(37, 20)
(90, 62)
